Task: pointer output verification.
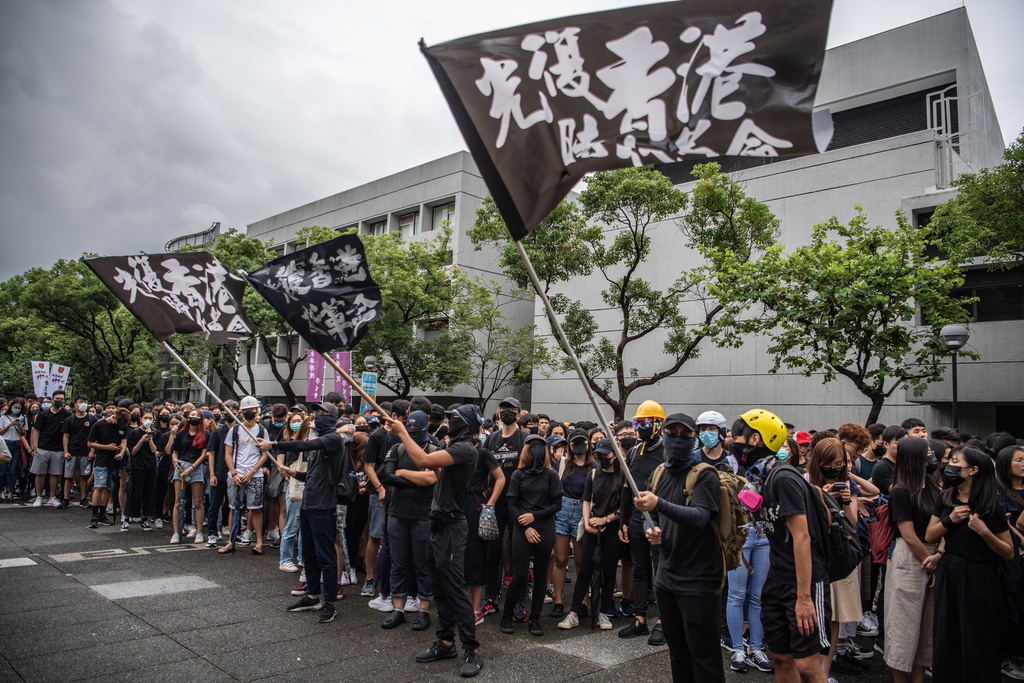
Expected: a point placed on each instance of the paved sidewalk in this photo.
(78, 604)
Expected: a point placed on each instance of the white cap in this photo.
(249, 402)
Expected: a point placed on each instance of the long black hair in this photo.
(912, 471)
(984, 496)
(1004, 475)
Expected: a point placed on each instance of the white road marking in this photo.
(122, 552)
(17, 562)
(138, 589)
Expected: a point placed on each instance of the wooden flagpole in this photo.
(357, 387)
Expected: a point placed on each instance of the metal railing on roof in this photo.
(196, 239)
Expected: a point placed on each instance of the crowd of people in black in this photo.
(787, 548)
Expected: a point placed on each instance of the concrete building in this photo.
(414, 203)
(911, 111)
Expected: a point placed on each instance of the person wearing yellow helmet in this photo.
(643, 459)
(757, 434)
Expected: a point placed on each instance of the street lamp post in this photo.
(954, 338)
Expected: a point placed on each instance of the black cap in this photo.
(298, 408)
(470, 414)
(418, 419)
(681, 419)
(534, 437)
(578, 434)
(326, 407)
(604, 447)
(510, 401)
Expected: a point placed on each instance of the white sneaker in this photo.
(110, 509)
(191, 531)
(549, 595)
(344, 580)
(211, 541)
(38, 502)
(245, 538)
(175, 538)
(288, 566)
(225, 530)
(54, 502)
(273, 535)
(412, 604)
(571, 621)
(381, 604)
(158, 523)
(603, 622)
(353, 579)
(199, 538)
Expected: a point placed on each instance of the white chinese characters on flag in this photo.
(58, 378)
(540, 105)
(40, 377)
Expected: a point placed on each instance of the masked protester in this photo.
(644, 458)
(711, 426)
(573, 470)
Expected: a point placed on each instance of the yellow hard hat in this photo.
(768, 425)
(650, 409)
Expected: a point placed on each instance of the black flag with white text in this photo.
(541, 105)
(324, 291)
(190, 293)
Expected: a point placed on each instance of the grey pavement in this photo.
(78, 604)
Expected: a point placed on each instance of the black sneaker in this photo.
(393, 619)
(637, 628)
(305, 604)
(84, 504)
(519, 613)
(535, 628)
(94, 524)
(327, 613)
(557, 612)
(105, 521)
(507, 625)
(472, 664)
(64, 504)
(439, 651)
(422, 621)
(657, 637)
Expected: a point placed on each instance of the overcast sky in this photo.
(124, 123)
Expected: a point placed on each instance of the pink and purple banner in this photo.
(344, 360)
(314, 376)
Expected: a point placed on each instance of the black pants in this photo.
(318, 555)
(141, 488)
(476, 549)
(522, 552)
(495, 565)
(609, 544)
(968, 607)
(355, 522)
(446, 553)
(163, 478)
(645, 563)
(690, 625)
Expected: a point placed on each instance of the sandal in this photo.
(257, 550)
(226, 549)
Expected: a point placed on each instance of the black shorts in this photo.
(778, 618)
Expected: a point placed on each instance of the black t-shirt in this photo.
(1011, 508)
(506, 452)
(77, 429)
(537, 492)
(216, 446)
(691, 559)
(407, 501)
(603, 491)
(883, 475)
(485, 463)
(185, 448)
(145, 459)
(901, 509)
(377, 446)
(50, 426)
(573, 484)
(965, 543)
(104, 432)
(787, 494)
(449, 501)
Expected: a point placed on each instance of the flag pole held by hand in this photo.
(355, 385)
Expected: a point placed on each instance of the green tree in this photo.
(849, 306)
(986, 217)
(719, 222)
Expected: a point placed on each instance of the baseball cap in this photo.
(325, 406)
(510, 401)
(681, 419)
(417, 419)
(802, 437)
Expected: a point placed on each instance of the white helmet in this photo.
(713, 417)
(249, 402)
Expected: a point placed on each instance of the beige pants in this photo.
(909, 605)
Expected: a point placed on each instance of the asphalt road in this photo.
(99, 605)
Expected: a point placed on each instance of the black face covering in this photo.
(537, 456)
(324, 424)
(578, 447)
(507, 417)
(679, 452)
(832, 473)
(933, 464)
(194, 421)
(879, 451)
(421, 437)
(627, 442)
(456, 428)
(165, 418)
(605, 461)
(249, 415)
(951, 475)
(645, 433)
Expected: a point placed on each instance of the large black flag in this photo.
(325, 292)
(542, 104)
(190, 293)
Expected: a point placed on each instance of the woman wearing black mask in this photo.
(572, 471)
(534, 497)
(601, 497)
(187, 456)
(1010, 477)
(909, 601)
(967, 599)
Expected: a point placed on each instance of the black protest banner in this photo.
(542, 104)
(324, 291)
(188, 293)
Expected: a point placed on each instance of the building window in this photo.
(409, 224)
(1000, 294)
(378, 228)
(288, 347)
(445, 212)
(276, 250)
(435, 328)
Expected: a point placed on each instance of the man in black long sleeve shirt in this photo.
(691, 565)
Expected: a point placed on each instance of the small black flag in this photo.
(190, 293)
(543, 104)
(324, 291)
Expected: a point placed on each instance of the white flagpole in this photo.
(216, 398)
(575, 362)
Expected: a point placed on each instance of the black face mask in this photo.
(507, 417)
(456, 429)
(324, 424)
(579, 448)
(605, 461)
(537, 455)
(165, 418)
(933, 464)
(951, 475)
(645, 433)
(229, 418)
(58, 404)
(534, 429)
(194, 421)
(249, 415)
(832, 473)
(134, 417)
(879, 451)
(740, 451)
(627, 442)
(679, 452)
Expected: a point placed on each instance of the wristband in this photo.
(947, 522)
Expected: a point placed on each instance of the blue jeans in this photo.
(318, 554)
(9, 471)
(744, 584)
(290, 536)
(409, 558)
(217, 494)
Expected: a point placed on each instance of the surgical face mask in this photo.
(279, 424)
(579, 448)
(879, 451)
(951, 475)
(709, 438)
(16, 411)
(605, 461)
(782, 454)
(46, 406)
(147, 423)
(507, 417)
(34, 411)
(194, 421)
(249, 415)
(933, 463)
(627, 442)
(832, 473)
(295, 426)
(58, 404)
(82, 407)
